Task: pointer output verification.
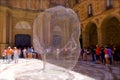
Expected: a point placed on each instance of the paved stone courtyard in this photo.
(98, 71)
(84, 70)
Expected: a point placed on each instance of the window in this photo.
(90, 10)
(108, 4)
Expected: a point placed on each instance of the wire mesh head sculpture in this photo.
(56, 33)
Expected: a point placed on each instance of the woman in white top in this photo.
(16, 54)
(25, 53)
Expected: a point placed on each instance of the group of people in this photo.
(12, 54)
(105, 54)
(9, 54)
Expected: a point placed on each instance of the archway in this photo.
(22, 34)
(23, 25)
(111, 31)
(91, 34)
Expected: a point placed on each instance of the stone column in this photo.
(84, 37)
(10, 33)
(99, 32)
(3, 26)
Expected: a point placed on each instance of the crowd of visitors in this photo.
(99, 54)
(107, 55)
(12, 54)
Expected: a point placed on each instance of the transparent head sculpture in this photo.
(56, 33)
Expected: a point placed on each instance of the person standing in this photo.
(57, 53)
(115, 56)
(93, 53)
(98, 52)
(4, 54)
(16, 54)
(81, 53)
(31, 50)
(102, 55)
(110, 55)
(107, 58)
(24, 53)
(9, 54)
(85, 54)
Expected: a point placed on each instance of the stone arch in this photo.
(22, 25)
(22, 34)
(110, 29)
(91, 35)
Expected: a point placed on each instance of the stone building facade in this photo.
(17, 18)
(100, 20)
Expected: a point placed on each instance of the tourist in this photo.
(93, 53)
(4, 54)
(31, 50)
(81, 53)
(85, 54)
(98, 52)
(106, 57)
(24, 52)
(57, 53)
(9, 54)
(102, 55)
(110, 55)
(19, 51)
(88, 53)
(115, 56)
(16, 54)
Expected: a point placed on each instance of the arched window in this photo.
(108, 4)
(90, 10)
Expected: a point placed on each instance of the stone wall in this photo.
(99, 13)
(9, 18)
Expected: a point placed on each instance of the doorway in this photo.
(22, 40)
(56, 42)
